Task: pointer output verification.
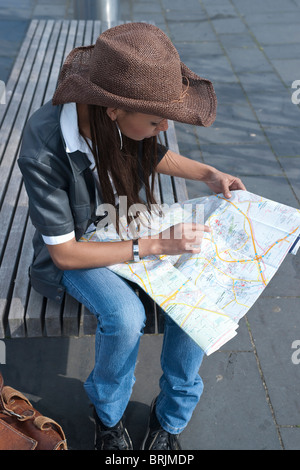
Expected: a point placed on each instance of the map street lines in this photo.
(207, 293)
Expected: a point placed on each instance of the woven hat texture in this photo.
(136, 67)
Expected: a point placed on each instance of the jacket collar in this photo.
(78, 159)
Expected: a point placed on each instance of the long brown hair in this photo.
(129, 168)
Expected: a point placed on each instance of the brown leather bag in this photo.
(22, 427)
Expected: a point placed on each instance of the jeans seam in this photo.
(164, 424)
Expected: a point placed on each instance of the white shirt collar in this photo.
(69, 127)
(74, 141)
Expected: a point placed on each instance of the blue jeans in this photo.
(121, 320)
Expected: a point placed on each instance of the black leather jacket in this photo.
(61, 190)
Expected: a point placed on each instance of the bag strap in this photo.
(41, 422)
(8, 393)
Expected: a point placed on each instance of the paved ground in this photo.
(250, 50)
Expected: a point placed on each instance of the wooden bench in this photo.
(24, 312)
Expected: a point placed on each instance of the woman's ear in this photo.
(112, 113)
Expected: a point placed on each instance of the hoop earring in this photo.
(120, 135)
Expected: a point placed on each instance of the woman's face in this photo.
(138, 126)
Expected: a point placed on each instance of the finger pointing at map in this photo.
(220, 182)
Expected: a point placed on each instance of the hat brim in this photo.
(198, 105)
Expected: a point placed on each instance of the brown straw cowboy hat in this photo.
(135, 67)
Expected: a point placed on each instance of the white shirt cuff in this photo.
(58, 239)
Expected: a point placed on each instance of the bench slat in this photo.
(9, 168)
(18, 304)
(35, 313)
(179, 183)
(9, 262)
(71, 316)
(13, 80)
(57, 63)
(88, 322)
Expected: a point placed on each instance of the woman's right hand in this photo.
(178, 239)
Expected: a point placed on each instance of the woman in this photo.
(95, 142)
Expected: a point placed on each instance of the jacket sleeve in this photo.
(49, 206)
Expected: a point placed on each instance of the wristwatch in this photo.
(135, 249)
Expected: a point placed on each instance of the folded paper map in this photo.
(207, 293)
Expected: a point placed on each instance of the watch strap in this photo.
(135, 249)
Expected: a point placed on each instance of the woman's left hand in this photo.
(176, 165)
(220, 182)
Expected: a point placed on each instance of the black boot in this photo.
(157, 438)
(115, 438)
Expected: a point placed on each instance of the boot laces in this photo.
(161, 440)
(113, 439)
